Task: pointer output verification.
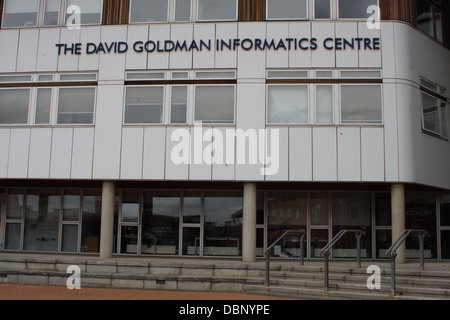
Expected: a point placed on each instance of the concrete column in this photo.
(249, 223)
(107, 222)
(398, 218)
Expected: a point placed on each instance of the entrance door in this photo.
(319, 222)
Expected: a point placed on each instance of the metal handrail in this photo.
(392, 252)
(326, 251)
(267, 252)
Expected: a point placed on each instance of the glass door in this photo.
(191, 224)
(2, 217)
(319, 222)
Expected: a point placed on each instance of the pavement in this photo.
(9, 292)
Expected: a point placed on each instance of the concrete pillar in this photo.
(249, 223)
(107, 222)
(398, 218)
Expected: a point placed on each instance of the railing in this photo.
(392, 252)
(326, 251)
(267, 252)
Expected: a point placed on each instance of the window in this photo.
(150, 11)
(36, 13)
(435, 116)
(180, 97)
(429, 18)
(322, 9)
(361, 103)
(144, 104)
(288, 104)
(14, 104)
(76, 106)
(43, 105)
(214, 104)
(324, 104)
(355, 9)
(217, 9)
(287, 9)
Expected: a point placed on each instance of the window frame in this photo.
(441, 100)
(434, 6)
(29, 112)
(338, 15)
(163, 107)
(41, 15)
(366, 122)
(208, 122)
(56, 108)
(308, 13)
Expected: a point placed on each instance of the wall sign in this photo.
(247, 44)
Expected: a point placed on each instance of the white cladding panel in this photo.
(396, 150)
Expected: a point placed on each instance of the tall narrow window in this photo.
(183, 10)
(44, 97)
(322, 9)
(179, 105)
(324, 104)
(51, 13)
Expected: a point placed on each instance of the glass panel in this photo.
(223, 224)
(192, 207)
(430, 113)
(287, 74)
(444, 119)
(15, 204)
(445, 244)
(429, 85)
(322, 9)
(361, 103)
(78, 77)
(420, 211)
(191, 241)
(215, 75)
(183, 10)
(76, 105)
(51, 14)
(260, 208)
(319, 208)
(129, 239)
(355, 8)
(71, 211)
(149, 11)
(14, 106)
(45, 77)
(160, 222)
(445, 210)
(91, 221)
(319, 239)
(383, 209)
(180, 75)
(130, 206)
(20, 13)
(287, 211)
(144, 104)
(214, 104)
(260, 242)
(288, 104)
(351, 211)
(145, 76)
(324, 104)
(91, 10)
(383, 242)
(424, 17)
(12, 236)
(44, 100)
(286, 9)
(69, 241)
(360, 74)
(217, 9)
(42, 220)
(15, 78)
(324, 74)
(178, 112)
(438, 21)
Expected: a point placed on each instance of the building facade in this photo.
(207, 128)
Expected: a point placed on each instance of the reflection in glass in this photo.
(14, 106)
(286, 211)
(14, 209)
(288, 104)
(76, 105)
(217, 9)
(71, 209)
(20, 13)
(69, 241)
(445, 210)
(319, 238)
(91, 10)
(383, 242)
(420, 211)
(322, 9)
(425, 17)
(144, 104)
(214, 104)
(91, 221)
(361, 103)
(183, 10)
(319, 208)
(130, 206)
(12, 236)
(42, 220)
(351, 211)
(129, 239)
(383, 209)
(149, 11)
(160, 222)
(223, 224)
(350, 9)
(192, 207)
(191, 241)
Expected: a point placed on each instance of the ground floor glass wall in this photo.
(208, 223)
